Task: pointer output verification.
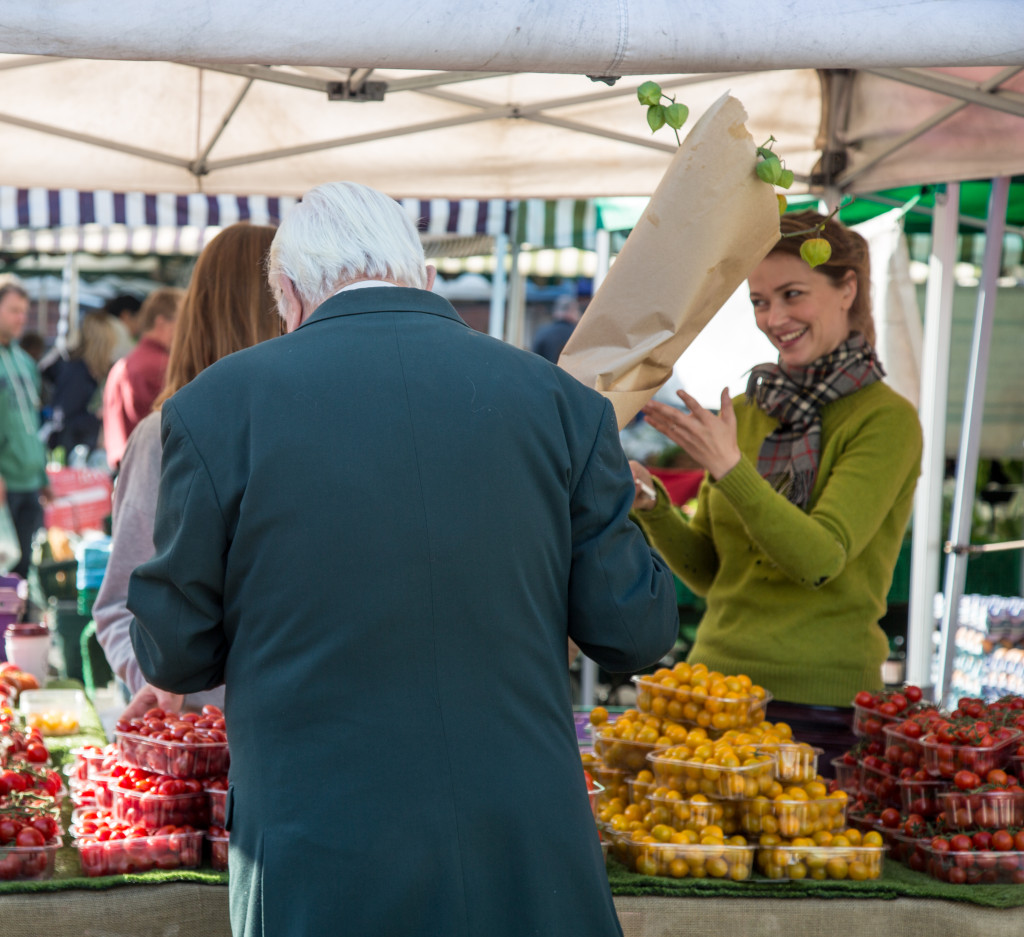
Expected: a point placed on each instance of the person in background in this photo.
(228, 306)
(23, 478)
(124, 311)
(328, 535)
(78, 385)
(136, 380)
(551, 338)
(809, 487)
(33, 344)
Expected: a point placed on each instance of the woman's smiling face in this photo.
(803, 313)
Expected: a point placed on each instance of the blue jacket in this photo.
(379, 531)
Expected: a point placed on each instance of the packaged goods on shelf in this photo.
(988, 659)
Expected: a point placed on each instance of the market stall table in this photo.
(194, 902)
(901, 904)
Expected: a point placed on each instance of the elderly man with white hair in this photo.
(380, 531)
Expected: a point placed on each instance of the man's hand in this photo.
(148, 697)
(645, 495)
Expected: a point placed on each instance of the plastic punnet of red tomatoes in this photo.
(180, 745)
(879, 780)
(995, 801)
(217, 838)
(30, 836)
(903, 736)
(919, 794)
(217, 792)
(871, 711)
(981, 857)
(21, 746)
(22, 778)
(153, 800)
(115, 847)
(968, 740)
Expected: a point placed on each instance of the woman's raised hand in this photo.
(709, 438)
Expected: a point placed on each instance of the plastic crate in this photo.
(81, 499)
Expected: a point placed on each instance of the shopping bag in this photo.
(10, 550)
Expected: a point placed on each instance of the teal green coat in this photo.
(379, 531)
(22, 456)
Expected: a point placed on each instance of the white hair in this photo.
(343, 231)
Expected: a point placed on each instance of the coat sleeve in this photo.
(177, 597)
(687, 545)
(622, 605)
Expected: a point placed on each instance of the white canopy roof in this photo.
(493, 100)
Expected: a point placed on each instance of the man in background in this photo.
(22, 457)
(551, 338)
(124, 309)
(396, 523)
(136, 380)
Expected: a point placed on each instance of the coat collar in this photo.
(383, 299)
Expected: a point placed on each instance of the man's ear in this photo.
(289, 304)
(431, 276)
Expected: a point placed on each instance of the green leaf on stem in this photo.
(769, 170)
(656, 116)
(649, 93)
(676, 114)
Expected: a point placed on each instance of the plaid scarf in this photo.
(789, 455)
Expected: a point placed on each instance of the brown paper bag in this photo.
(708, 224)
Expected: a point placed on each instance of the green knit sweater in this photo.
(794, 597)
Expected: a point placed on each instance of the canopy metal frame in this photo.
(831, 174)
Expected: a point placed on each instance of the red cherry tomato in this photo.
(890, 818)
(1002, 841)
(29, 836)
(966, 780)
(961, 842)
(982, 840)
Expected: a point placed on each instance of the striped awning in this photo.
(68, 220)
(61, 221)
(561, 222)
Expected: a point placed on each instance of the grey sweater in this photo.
(134, 513)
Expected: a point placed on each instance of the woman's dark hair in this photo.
(849, 253)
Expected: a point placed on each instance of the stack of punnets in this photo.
(942, 787)
(699, 786)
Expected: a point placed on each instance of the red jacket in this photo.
(134, 382)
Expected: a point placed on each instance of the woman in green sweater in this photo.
(809, 487)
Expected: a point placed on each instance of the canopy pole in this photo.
(517, 287)
(603, 255)
(970, 438)
(67, 322)
(499, 287)
(588, 668)
(925, 548)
